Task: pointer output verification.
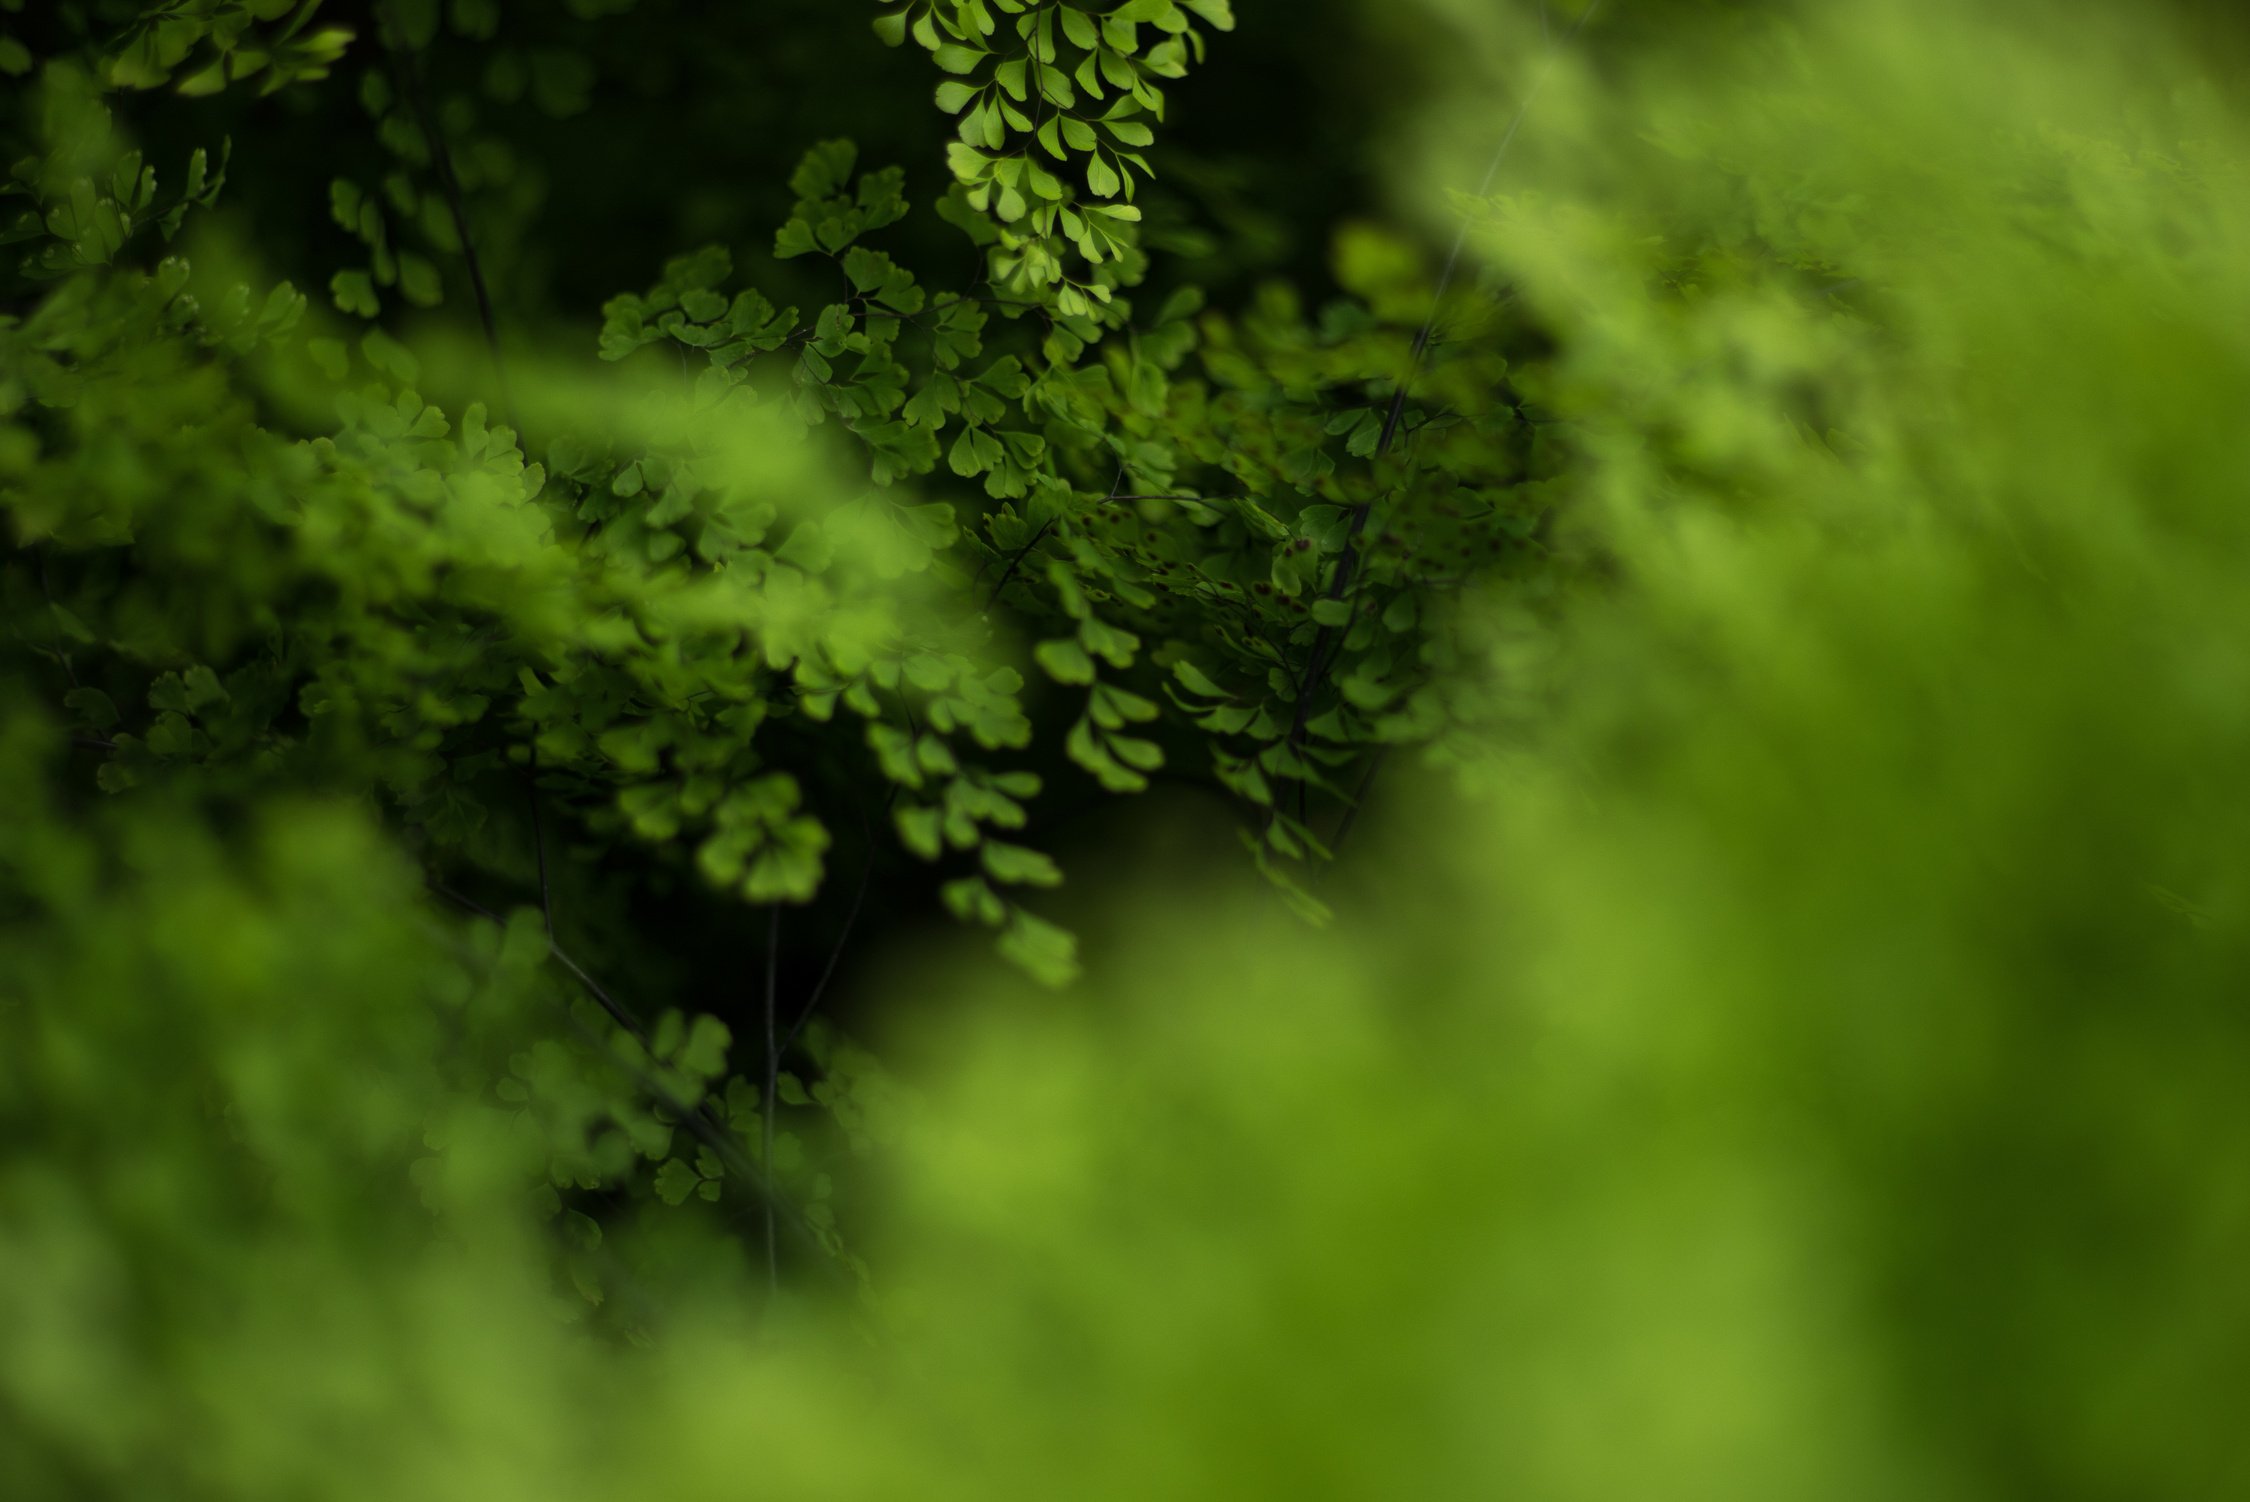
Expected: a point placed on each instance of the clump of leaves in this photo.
(880, 571)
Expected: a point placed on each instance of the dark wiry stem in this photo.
(1358, 800)
(698, 1118)
(1327, 639)
(1017, 562)
(539, 843)
(409, 71)
(836, 955)
(773, 1080)
(618, 1012)
(53, 611)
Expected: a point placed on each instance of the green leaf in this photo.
(919, 829)
(928, 407)
(1065, 661)
(1196, 680)
(824, 170)
(1018, 865)
(1110, 642)
(974, 452)
(971, 900)
(354, 292)
(1046, 953)
(675, 1181)
(704, 1054)
(794, 239)
(94, 708)
(1141, 755)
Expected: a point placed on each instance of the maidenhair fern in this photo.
(489, 753)
(893, 558)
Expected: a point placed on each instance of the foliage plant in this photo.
(1792, 1052)
(256, 546)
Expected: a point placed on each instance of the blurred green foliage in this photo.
(1780, 1037)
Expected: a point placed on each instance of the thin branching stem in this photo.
(1328, 638)
(851, 918)
(773, 1081)
(698, 1118)
(539, 842)
(408, 67)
